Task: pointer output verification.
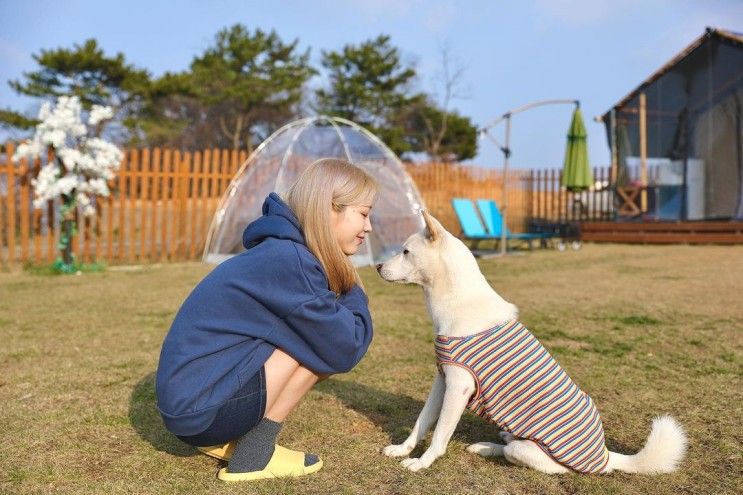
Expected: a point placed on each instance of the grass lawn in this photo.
(644, 330)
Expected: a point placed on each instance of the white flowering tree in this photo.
(82, 166)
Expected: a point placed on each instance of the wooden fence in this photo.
(163, 201)
(438, 183)
(161, 206)
(548, 201)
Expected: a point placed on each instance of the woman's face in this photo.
(350, 226)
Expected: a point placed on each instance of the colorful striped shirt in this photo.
(522, 389)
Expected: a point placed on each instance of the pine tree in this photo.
(84, 71)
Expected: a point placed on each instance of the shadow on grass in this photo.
(146, 420)
(393, 413)
(396, 413)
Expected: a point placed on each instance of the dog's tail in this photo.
(662, 453)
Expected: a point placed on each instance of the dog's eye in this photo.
(405, 252)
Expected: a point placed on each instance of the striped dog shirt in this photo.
(522, 389)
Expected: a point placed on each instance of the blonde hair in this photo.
(330, 183)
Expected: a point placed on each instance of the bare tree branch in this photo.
(449, 79)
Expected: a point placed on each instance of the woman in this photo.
(263, 327)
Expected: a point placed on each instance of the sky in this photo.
(512, 52)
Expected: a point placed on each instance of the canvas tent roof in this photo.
(692, 132)
(730, 36)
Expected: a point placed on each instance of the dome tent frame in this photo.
(288, 151)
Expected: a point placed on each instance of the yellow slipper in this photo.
(284, 462)
(221, 452)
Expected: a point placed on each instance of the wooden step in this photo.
(663, 232)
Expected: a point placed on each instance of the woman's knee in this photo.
(306, 375)
(282, 360)
(282, 370)
(278, 369)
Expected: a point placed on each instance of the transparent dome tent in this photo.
(277, 163)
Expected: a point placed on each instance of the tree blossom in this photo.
(99, 113)
(83, 163)
(80, 170)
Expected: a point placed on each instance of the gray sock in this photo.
(310, 459)
(255, 448)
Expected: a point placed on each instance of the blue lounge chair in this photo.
(489, 228)
(472, 227)
(494, 223)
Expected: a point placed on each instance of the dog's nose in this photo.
(379, 267)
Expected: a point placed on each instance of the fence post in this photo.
(133, 194)
(166, 194)
(24, 182)
(224, 172)
(157, 177)
(214, 186)
(98, 229)
(207, 169)
(10, 151)
(51, 226)
(122, 206)
(193, 196)
(36, 224)
(144, 203)
(554, 192)
(110, 222)
(183, 166)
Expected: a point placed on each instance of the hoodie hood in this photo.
(278, 222)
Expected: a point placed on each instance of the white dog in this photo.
(490, 364)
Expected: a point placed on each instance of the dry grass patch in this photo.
(644, 330)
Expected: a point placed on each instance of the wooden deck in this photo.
(712, 232)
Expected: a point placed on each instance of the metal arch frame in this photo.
(237, 178)
(484, 131)
(287, 154)
(290, 148)
(305, 122)
(340, 135)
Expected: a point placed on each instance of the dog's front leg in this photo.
(426, 419)
(459, 388)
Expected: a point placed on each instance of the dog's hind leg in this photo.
(486, 449)
(507, 436)
(529, 454)
(489, 449)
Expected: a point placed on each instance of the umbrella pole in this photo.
(507, 153)
(504, 200)
(643, 155)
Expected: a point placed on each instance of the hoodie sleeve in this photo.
(337, 329)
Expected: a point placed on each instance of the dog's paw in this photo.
(414, 464)
(486, 449)
(400, 450)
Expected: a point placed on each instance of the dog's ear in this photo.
(434, 230)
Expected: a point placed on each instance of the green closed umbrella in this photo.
(576, 173)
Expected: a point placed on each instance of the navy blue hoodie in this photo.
(275, 294)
